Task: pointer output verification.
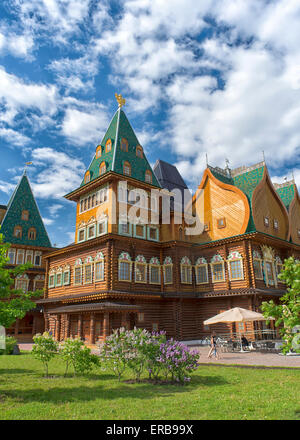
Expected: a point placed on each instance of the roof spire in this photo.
(206, 159)
(121, 101)
(263, 155)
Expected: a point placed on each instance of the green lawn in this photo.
(214, 393)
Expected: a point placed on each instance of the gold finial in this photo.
(120, 99)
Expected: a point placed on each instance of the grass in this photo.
(215, 393)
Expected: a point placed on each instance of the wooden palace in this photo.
(130, 267)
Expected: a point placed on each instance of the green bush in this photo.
(75, 353)
(10, 342)
(44, 349)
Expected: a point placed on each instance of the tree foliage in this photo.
(14, 303)
(287, 314)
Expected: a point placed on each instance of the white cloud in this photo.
(48, 221)
(58, 173)
(17, 45)
(13, 137)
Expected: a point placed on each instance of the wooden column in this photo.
(17, 327)
(57, 327)
(92, 328)
(34, 325)
(79, 330)
(67, 327)
(105, 325)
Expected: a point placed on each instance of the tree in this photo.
(44, 349)
(14, 303)
(287, 314)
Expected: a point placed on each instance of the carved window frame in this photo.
(124, 257)
(201, 262)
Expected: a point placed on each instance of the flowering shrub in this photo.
(177, 360)
(139, 350)
(44, 349)
(74, 352)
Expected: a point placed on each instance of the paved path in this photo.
(250, 358)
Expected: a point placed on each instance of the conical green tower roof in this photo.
(119, 129)
(23, 200)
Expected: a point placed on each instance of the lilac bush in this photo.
(140, 350)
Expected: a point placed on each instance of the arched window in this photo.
(102, 169)
(148, 176)
(154, 271)
(18, 231)
(269, 266)
(51, 281)
(127, 169)
(201, 271)
(78, 272)
(99, 267)
(98, 151)
(139, 151)
(217, 269)
(59, 277)
(124, 144)
(87, 177)
(66, 275)
(31, 233)
(168, 270)
(25, 215)
(235, 266)
(140, 269)
(108, 146)
(186, 270)
(125, 265)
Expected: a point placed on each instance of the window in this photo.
(58, 279)
(127, 169)
(154, 271)
(21, 282)
(20, 256)
(18, 232)
(102, 227)
(139, 151)
(140, 231)
(88, 273)
(32, 234)
(66, 276)
(124, 145)
(124, 228)
(51, 279)
(141, 317)
(276, 224)
(266, 221)
(257, 269)
(217, 268)
(98, 151)
(87, 177)
(201, 271)
(102, 169)
(81, 235)
(37, 258)
(152, 233)
(148, 177)
(11, 256)
(108, 146)
(99, 267)
(25, 215)
(91, 231)
(140, 269)
(124, 267)
(279, 266)
(29, 257)
(186, 271)
(78, 272)
(39, 282)
(269, 272)
(235, 266)
(221, 223)
(168, 270)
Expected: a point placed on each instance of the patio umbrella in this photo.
(237, 314)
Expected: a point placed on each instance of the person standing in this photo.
(213, 347)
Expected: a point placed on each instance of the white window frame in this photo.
(102, 222)
(92, 225)
(12, 251)
(51, 275)
(78, 233)
(126, 234)
(91, 265)
(27, 254)
(234, 258)
(102, 275)
(151, 266)
(124, 260)
(144, 265)
(66, 271)
(20, 252)
(59, 272)
(212, 271)
(78, 266)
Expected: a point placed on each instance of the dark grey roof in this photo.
(170, 178)
(110, 306)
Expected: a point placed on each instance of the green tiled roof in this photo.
(286, 193)
(120, 128)
(23, 200)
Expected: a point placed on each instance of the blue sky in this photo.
(220, 77)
